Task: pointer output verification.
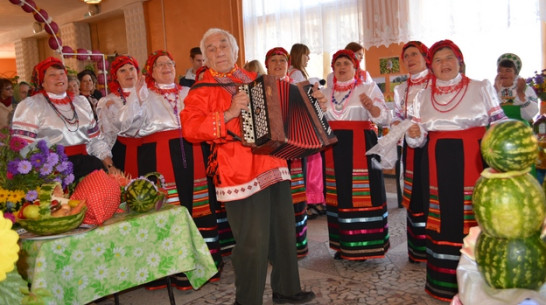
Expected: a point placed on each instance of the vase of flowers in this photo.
(537, 83)
(25, 167)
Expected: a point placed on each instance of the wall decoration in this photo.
(389, 65)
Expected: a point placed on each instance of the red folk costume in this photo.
(455, 114)
(355, 191)
(163, 149)
(120, 118)
(61, 119)
(414, 188)
(238, 173)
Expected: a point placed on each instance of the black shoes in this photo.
(298, 298)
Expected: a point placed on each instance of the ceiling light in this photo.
(92, 1)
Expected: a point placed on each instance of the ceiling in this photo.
(15, 23)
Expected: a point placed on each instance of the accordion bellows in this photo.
(284, 120)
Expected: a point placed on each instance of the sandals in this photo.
(314, 210)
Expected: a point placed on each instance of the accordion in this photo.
(284, 120)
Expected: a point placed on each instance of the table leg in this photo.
(116, 298)
(170, 291)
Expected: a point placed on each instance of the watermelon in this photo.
(509, 146)
(46, 193)
(53, 225)
(142, 195)
(511, 263)
(509, 205)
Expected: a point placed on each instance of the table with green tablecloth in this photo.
(128, 250)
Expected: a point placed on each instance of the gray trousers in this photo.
(264, 229)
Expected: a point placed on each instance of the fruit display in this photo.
(509, 146)
(54, 225)
(51, 213)
(142, 194)
(510, 208)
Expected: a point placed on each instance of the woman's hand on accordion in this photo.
(239, 102)
(323, 101)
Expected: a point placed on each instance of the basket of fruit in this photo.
(51, 214)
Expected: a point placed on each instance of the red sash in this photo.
(73, 150)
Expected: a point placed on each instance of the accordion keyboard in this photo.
(246, 120)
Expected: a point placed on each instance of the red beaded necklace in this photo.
(417, 82)
(458, 88)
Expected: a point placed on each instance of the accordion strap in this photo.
(224, 85)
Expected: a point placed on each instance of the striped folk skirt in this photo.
(355, 194)
(455, 163)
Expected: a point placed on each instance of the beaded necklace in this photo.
(339, 106)
(68, 122)
(411, 82)
(463, 84)
(219, 74)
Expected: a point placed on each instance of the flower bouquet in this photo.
(33, 178)
(537, 83)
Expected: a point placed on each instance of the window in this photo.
(483, 29)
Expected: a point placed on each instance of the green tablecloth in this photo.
(127, 251)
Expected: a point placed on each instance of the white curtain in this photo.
(483, 29)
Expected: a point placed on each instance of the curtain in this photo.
(483, 29)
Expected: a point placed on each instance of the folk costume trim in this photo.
(360, 182)
(471, 141)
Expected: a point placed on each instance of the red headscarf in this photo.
(148, 69)
(346, 53)
(416, 44)
(446, 44)
(119, 62)
(38, 73)
(277, 51)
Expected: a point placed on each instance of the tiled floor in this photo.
(391, 280)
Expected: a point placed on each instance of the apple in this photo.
(31, 212)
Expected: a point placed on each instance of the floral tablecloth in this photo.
(128, 250)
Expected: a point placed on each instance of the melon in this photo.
(142, 195)
(511, 263)
(509, 146)
(510, 204)
(53, 225)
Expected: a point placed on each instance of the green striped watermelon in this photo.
(509, 146)
(45, 195)
(53, 225)
(511, 263)
(509, 205)
(142, 195)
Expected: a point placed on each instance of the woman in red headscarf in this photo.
(120, 113)
(450, 117)
(63, 119)
(277, 61)
(414, 54)
(355, 191)
(164, 150)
